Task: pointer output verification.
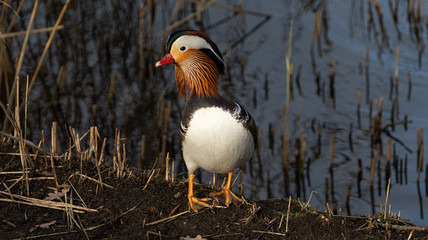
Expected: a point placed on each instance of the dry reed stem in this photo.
(41, 30)
(54, 173)
(387, 197)
(280, 222)
(16, 14)
(93, 179)
(21, 60)
(54, 139)
(27, 142)
(12, 172)
(167, 219)
(82, 228)
(31, 179)
(183, 20)
(39, 205)
(272, 233)
(288, 214)
(75, 190)
(236, 178)
(48, 44)
(45, 203)
(167, 167)
(148, 180)
(87, 229)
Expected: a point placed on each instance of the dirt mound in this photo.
(74, 204)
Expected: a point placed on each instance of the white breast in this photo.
(216, 142)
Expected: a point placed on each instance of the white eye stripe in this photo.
(195, 42)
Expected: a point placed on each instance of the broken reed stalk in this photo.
(331, 152)
(372, 172)
(54, 138)
(420, 151)
(258, 153)
(379, 173)
(360, 177)
(57, 24)
(391, 85)
(326, 190)
(409, 91)
(332, 80)
(19, 64)
(286, 139)
(142, 157)
(393, 107)
(397, 56)
(288, 214)
(358, 108)
(387, 197)
(33, 79)
(388, 162)
(44, 203)
(15, 16)
(360, 62)
(167, 167)
(35, 31)
(351, 146)
(183, 20)
(367, 74)
(141, 14)
(54, 173)
(101, 160)
(348, 198)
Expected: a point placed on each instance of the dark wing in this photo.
(242, 115)
(183, 129)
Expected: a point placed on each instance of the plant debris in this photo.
(130, 208)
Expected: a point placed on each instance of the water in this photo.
(101, 42)
(345, 47)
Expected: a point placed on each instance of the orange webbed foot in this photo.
(194, 200)
(227, 192)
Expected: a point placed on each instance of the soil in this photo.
(140, 207)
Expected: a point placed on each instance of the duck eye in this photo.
(182, 48)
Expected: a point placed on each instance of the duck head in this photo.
(198, 63)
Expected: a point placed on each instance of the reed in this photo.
(332, 76)
(15, 86)
(254, 98)
(347, 202)
(367, 65)
(48, 44)
(379, 11)
(266, 86)
(360, 177)
(286, 139)
(388, 162)
(387, 198)
(358, 108)
(271, 138)
(258, 153)
(420, 152)
(397, 57)
(351, 145)
(360, 62)
(405, 169)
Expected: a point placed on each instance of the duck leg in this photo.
(192, 198)
(226, 190)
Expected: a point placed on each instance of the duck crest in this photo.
(199, 74)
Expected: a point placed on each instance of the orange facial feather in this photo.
(198, 72)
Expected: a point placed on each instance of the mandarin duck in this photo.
(216, 134)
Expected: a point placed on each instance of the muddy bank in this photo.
(71, 202)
